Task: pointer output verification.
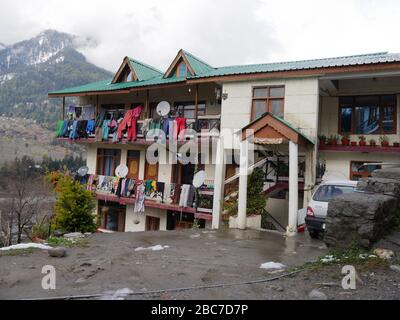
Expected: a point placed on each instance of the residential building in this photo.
(287, 106)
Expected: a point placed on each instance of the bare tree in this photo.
(27, 197)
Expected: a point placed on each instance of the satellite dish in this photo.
(199, 178)
(121, 171)
(163, 108)
(83, 171)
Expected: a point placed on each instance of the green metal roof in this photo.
(144, 71)
(149, 76)
(200, 67)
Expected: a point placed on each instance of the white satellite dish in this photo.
(83, 171)
(199, 178)
(121, 171)
(163, 108)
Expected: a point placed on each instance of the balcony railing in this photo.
(168, 197)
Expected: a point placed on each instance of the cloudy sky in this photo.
(222, 32)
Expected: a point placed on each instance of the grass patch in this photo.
(68, 243)
(20, 252)
(354, 256)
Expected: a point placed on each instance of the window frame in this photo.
(353, 173)
(353, 119)
(191, 103)
(116, 158)
(267, 99)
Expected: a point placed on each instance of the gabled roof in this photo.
(140, 70)
(196, 66)
(148, 76)
(275, 129)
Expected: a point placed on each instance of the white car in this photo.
(318, 206)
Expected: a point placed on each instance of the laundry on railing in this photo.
(162, 192)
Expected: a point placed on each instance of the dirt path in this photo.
(189, 258)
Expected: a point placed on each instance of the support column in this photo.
(293, 187)
(309, 175)
(243, 174)
(63, 109)
(219, 184)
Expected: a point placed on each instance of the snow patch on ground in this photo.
(272, 266)
(26, 246)
(154, 248)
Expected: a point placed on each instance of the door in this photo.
(133, 164)
(112, 217)
(152, 223)
(151, 172)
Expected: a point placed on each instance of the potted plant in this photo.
(322, 139)
(396, 144)
(346, 139)
(333, 140)
(362, 141)
(384, 141)
(372, 142)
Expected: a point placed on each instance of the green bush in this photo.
(74, 207)
(255, 200)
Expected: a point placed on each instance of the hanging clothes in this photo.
(64, 129)
(139, 202)
(81, 129)
(184, 199)
(129, 124)
(60, 124)
(168, 128)
(105, 130)
(180, 128)
(101, 117)
(131, 188)
(90, 127)
(160, 191)
(74, 130)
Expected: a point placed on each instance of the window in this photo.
(188, 109)
(268, 99)
(107, 161)
(111, 216)
(328, 192)
(181, 70)
(367, 115)
(359, 171)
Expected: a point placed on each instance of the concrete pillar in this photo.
(243, 174)
(219, 184)
(309, 175)
(293, 187)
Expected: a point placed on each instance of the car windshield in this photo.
(328, 192)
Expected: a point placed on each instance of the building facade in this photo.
(306, 121)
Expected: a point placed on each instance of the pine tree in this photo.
(74, 207)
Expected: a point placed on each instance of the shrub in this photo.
(74, 207)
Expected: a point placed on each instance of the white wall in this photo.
(301, 105)
(338, 163)
(132, 218)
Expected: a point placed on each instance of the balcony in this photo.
(154, 199)
(204, 127)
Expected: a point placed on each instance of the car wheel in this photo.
(314, 234)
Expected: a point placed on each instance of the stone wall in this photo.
(365, 217)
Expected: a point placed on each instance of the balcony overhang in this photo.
(272, 130)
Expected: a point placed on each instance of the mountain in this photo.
(47, 62)
(2, 46)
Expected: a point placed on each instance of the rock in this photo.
(395, 268)
(59, 252)
(384, 254)
(74, 235)
(87, 234)
(277, 288)
(380, 185)
(388, 173)
(80, 280)
(58, 233)
(317, 295)
(360, 217)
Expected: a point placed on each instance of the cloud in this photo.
(221, 32)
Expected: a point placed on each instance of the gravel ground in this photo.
(190, 258)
